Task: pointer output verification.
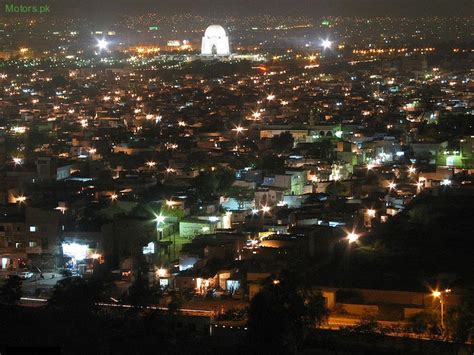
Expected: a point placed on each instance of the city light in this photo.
(326, 43)
(159, 219)
(256, 115)
(255, 211)
(371, 213)
(161, 272)
(20, 199)
(270, 97)
(239, 129)
(352, 237)
(446, 182)
(75, 250)
(151, 164)
(392, 185)
(114, 197)
(17, 161)
(412, 170)
(102, 44)
(265, 209)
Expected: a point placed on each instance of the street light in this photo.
(114, 197)
(392, 185)
(239, 129)
(326, 43)
(102, 44)
(20, 199)
(371, 212)
(265, 209)
(439, 295)
(159, 219)
(411, 170)
(352, 237)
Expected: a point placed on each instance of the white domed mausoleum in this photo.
(215, 42)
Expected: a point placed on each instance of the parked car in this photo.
(25, 275)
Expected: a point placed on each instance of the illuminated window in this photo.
(33, 229)
(149, 249)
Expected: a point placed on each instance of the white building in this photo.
(215, 42)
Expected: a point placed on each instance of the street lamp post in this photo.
(441, 296)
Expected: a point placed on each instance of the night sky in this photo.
(274, 7)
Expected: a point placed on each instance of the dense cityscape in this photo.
(187, 183)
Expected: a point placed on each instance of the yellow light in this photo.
(150, 164)
(20, 199)
(412, 170)
(95, 256)
(371, 213)
(392, 185)
(114, 197)
(436, 294)
(352, 237)
(161, 272)
(265, 209)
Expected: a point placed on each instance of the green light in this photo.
(326, 23)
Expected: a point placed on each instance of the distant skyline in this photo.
(315, 8)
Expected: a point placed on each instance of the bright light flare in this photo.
(371, 213)
(20, 199)
(326, 43)
(160, 219)
(74, 250)
(239, 129)
(352, 237)
(102, 44)
(17, 161)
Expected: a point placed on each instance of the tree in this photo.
(282, 142)
(460, 320)
(214, 182)
(282, 313)
(175, 302)
(77, 295)
(10, 292)
(424, 323)
(336, 189)
(141, 293)
(241, 194)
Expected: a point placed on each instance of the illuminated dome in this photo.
(215, 41)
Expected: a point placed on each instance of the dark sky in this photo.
(276, 7)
